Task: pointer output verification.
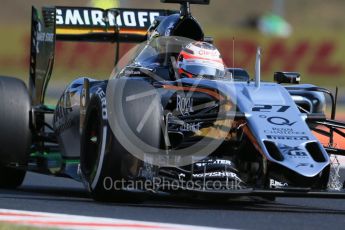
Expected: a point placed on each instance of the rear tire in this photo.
(11, 177)
(15, 135)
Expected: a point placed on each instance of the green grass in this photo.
(6, 226)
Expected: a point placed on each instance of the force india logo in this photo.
(80, 17)
(293, 152)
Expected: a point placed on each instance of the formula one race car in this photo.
(171, 118)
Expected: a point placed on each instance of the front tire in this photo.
(104, 162)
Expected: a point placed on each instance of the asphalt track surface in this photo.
(50, 194)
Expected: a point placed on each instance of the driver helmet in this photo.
(200, 59)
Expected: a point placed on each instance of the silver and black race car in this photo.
(149, 129)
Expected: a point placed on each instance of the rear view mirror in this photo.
(287, 77)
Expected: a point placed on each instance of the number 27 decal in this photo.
(270, 108)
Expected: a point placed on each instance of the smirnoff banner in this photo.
(319, 58)
(93, 17)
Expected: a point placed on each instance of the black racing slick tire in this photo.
(97, 145)
(15, 135)
(11, 177)
(106, 166)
